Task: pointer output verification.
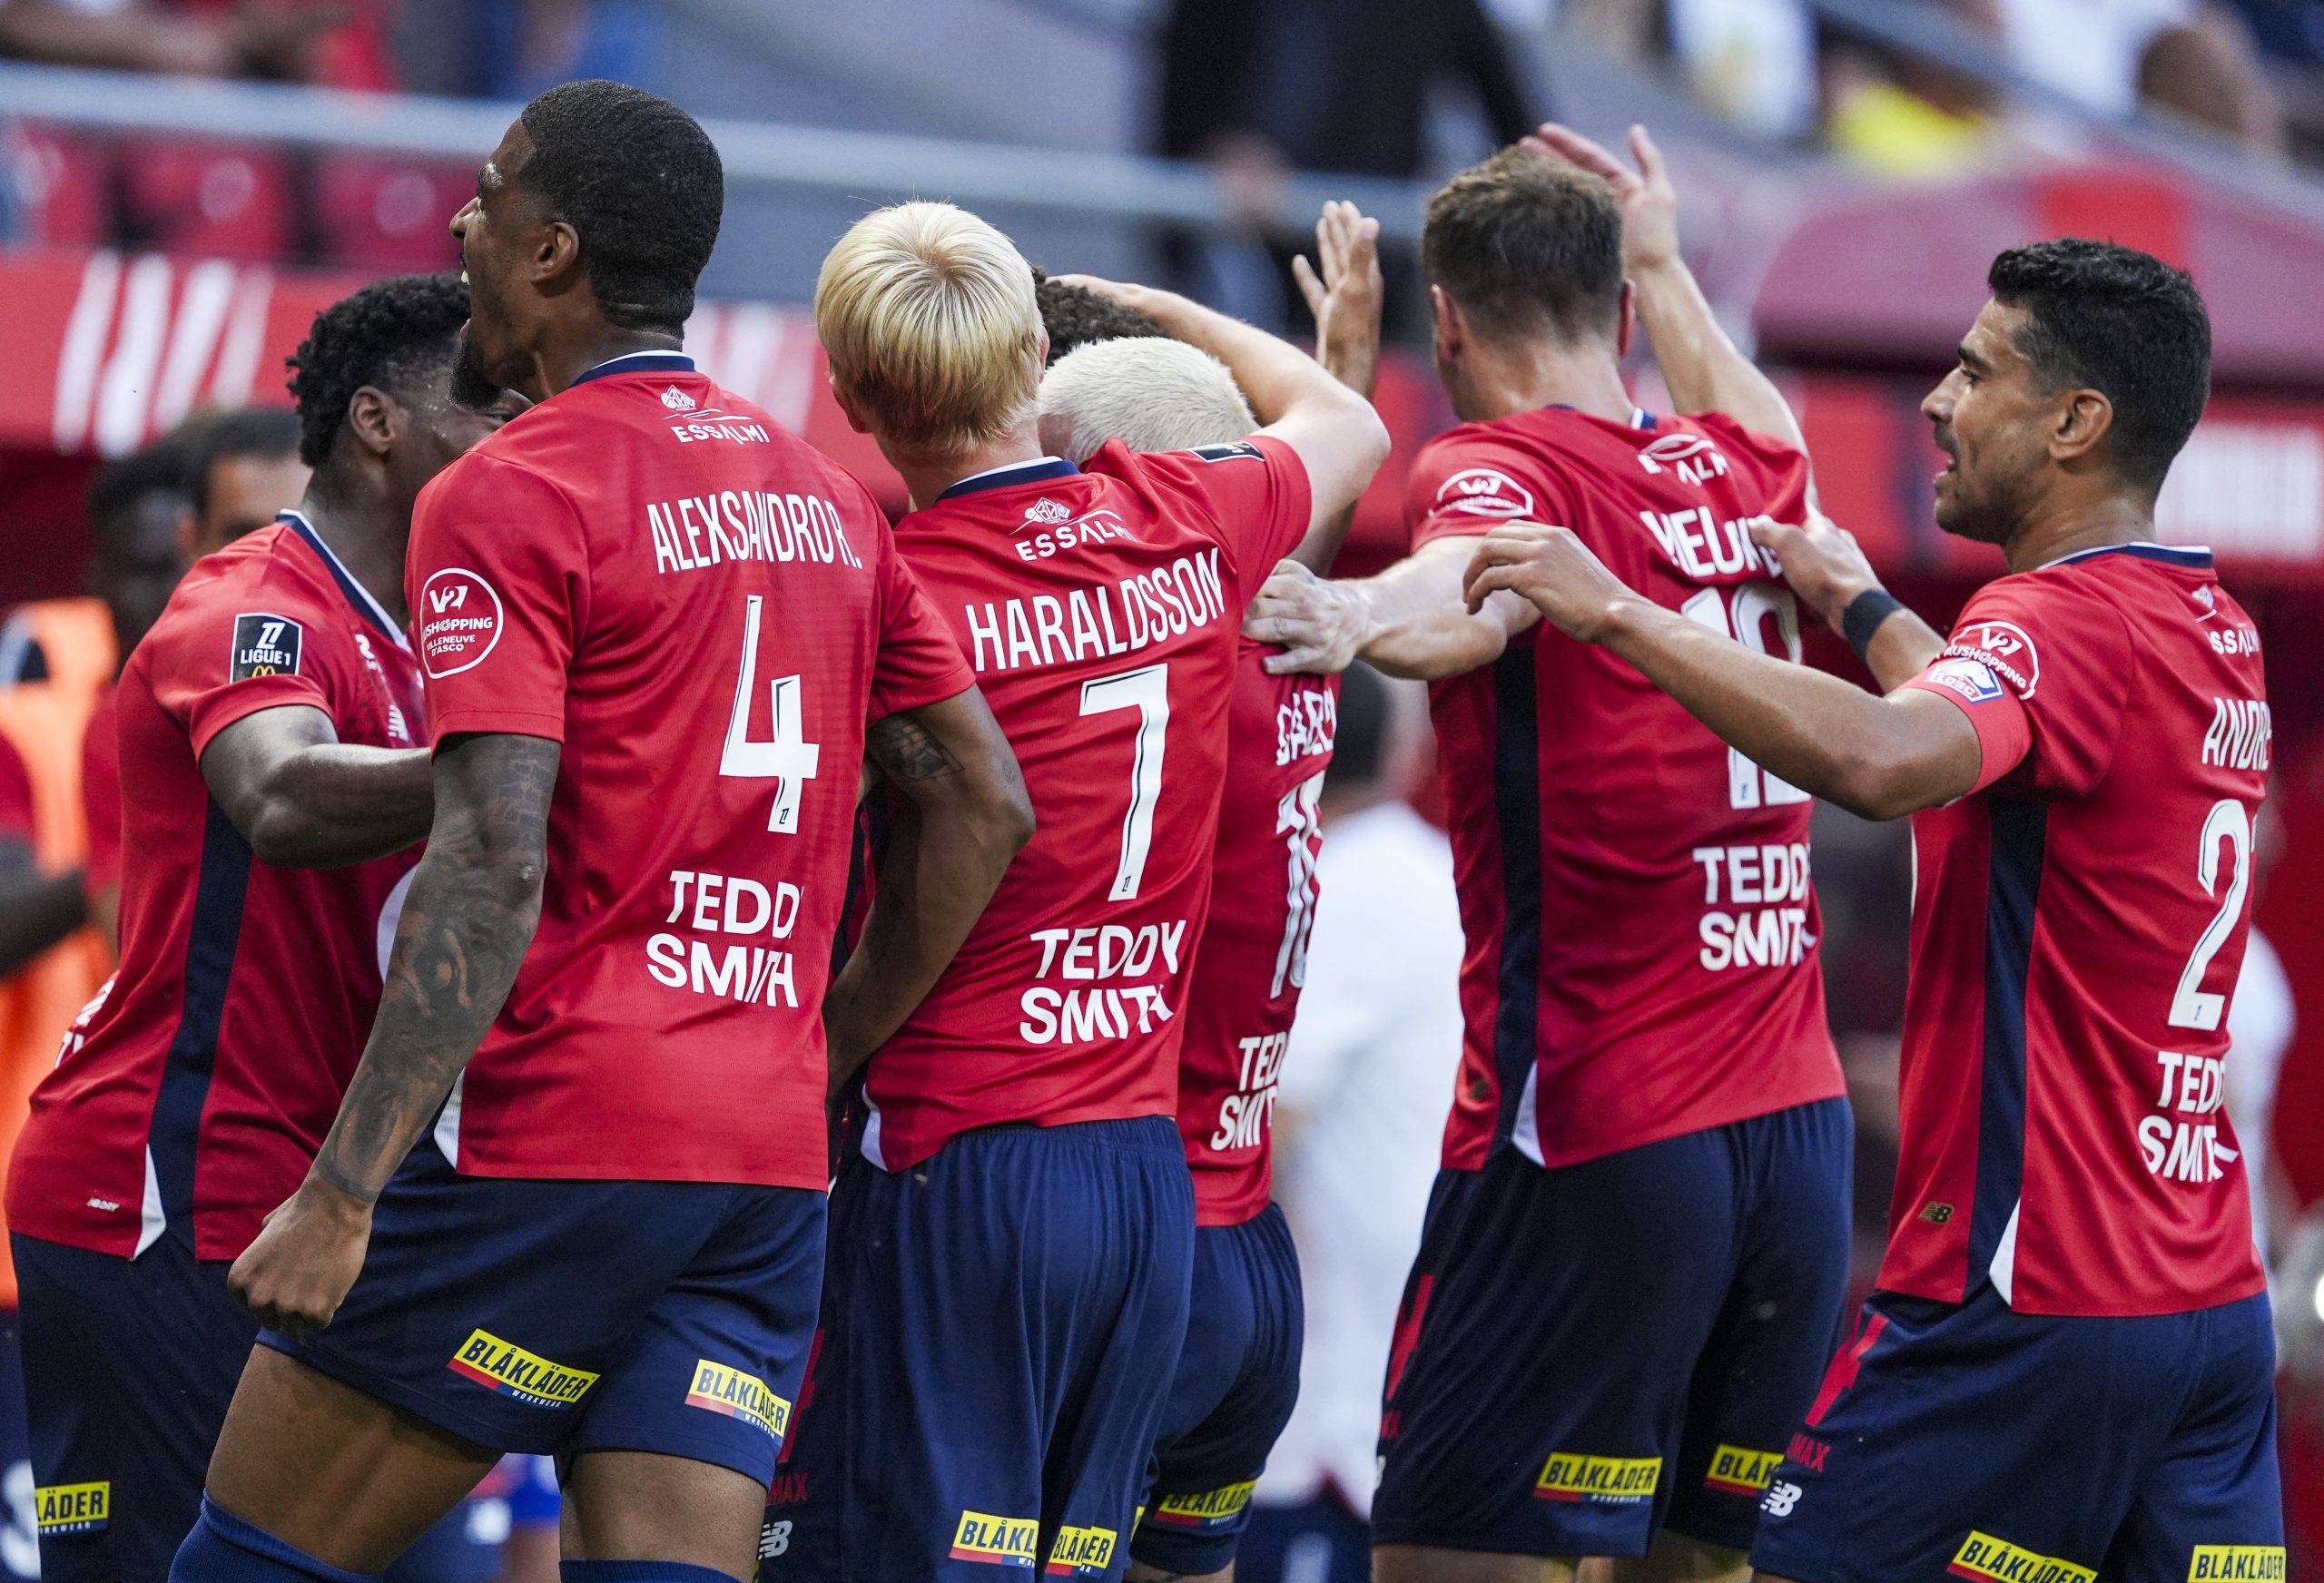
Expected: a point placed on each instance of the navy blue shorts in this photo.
(1000, 1325)
(558, 1317)
(129, 1367)
(1971, 1439)
(1238, 1382)
(1589, 1353)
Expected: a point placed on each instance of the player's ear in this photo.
(1451, 332)
(856, 418)
(1628, 322)
(557, 251)
(2080, 425)
(373, 418)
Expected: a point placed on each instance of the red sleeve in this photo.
(1463, 485)
(15, 796)
(101, 791)
(498, 582)
(919, 662)
(222, 650)
(2043, 672)
(1254, 492)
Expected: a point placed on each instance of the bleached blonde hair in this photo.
(927, 315)
(1154, 394)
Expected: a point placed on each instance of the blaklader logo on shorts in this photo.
(1081, 1549)
(1604, 1481)
(1981, 1556)
(1209, 1509)
(1006, 1541)
(1741, 1471)
(719, 1388)
(79, 1508)
(2262, 1563)
(511, 1370)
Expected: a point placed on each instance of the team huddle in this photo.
(629, 957)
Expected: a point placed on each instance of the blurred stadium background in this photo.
(184, 183)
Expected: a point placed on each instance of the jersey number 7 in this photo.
(1148, 691)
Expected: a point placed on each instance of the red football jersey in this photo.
(706, 614)
(1642, 929)
(101, 791)
(1247, 974)
(193, 1094)
(2077, 927)
(1102, 609)
(15, 796)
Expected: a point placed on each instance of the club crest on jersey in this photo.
(509, 1369)
(2004, 647)
(1485, 492)
(265, 645)
(718, 1388)
(82, 1508)
(1691, 458)
(678, 400)
(459, 622)
(1048, 512)
(1242, 449)
(1992, 1561)
(1005, 1541)
(2262, 1563)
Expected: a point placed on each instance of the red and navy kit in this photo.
(202, 1087)
(15, 796)
(189, 1097)
(1642, 1224)
(705, 614)
(2070, 1245)
(1101, 608)
(1254, 958)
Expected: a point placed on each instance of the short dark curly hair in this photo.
(641, 182)
(1075, 316)
(2121, 322)
(392, 335)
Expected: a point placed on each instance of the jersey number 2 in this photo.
(788, 758)
(1148, 691)
(2193, 1006)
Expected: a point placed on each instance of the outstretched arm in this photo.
(965, 817)
(304, 799)
(1828, 570)
(475, 900)
(1877, 757)
(1411, 620)
(1345, 293)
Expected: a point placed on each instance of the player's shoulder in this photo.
(274, 562)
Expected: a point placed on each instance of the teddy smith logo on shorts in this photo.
(1992, 1561)
(1606, 1481)
(511, 1370)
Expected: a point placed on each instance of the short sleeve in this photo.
(1463, 485)
(223, 652)
(1256, 490)
(2043, 672)
(920, 661)
(15, 796)
(499, 582)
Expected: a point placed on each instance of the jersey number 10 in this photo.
(1745, 613)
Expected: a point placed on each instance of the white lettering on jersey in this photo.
(2176, 1143)
(746, 525)
(1244, 1115)
(2002, 646)
(1755, 913)
(1064, 532)
(1306, 724)
(2241, 735)
(1691, 457)
(1098, 622)
(1702, 546)
(1102, 956)
(727, 904)
(1485, 492)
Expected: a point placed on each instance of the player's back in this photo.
(1102, 612)
(1641, 930)
(2078, 928)
(694, 603)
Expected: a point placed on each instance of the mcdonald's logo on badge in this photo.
(265, 645)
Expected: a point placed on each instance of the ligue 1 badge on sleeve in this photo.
(265, 645)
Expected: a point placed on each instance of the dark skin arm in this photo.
(304, 799)
(36, 910)
(964, 817)
(475, 900)
(1880, 758)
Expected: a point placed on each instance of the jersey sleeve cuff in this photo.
(921, 694)
(1999, 723)
(496, 723)
(242, 700)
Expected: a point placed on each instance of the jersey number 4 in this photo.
(789, 759)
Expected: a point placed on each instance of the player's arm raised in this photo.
(1340, 440)
(304, 799)
(965, 817)
(1411, 620)
(475, 900)
(1879, 757)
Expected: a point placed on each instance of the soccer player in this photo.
(1011, 1245)
(1636, 1252)
(2067, 1369)
(652, 627)
(1238, 1374)
(272, 721)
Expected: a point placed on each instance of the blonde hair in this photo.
(1154, 394)
(927, 315)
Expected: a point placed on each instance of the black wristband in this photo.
(1864, 616)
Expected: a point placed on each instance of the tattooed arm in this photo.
(474, 902)
(963, 817)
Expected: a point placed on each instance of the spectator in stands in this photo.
(2289, 34)
(1359, 1119)
(246, 468)
(257, 38)
(2191, 58)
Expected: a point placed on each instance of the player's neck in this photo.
(563, 359)
(928, 474)
(2052, 532)
(1524, 377)
(363, 532)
